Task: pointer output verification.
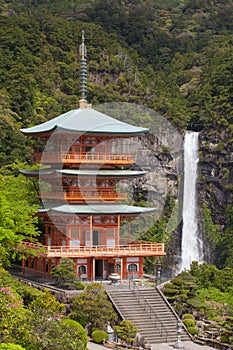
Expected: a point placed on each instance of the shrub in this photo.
(126, 331)
(224, 339)
(189, 323)
(99, 336)
(65, 275)
(77, 325)
(10, 346)
(188, 317)
(193, 330)
(93, 308)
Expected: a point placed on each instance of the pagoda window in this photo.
(74, 232)
(87, 238)
(132, 268)
(95, 238)
(32, 264)
(118, 268)
(110, 232)
(82, 269)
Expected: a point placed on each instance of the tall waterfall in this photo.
(191, 245)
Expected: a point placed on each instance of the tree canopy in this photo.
(17, 215)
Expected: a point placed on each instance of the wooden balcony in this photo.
(78, 158)
(75, 195)
(134, 249)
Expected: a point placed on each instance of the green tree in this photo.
(181, 292)
(126, 331)
(42, 326)
(42, 332)
(79, 327)
(92, 308)
(17, 215)
(11, 307)
(225, 245)
(65, 275)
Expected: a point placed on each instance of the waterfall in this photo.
(191, 245)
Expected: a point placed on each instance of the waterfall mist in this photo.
(191, 244)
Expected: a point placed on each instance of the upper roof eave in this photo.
(85, 120)
(36, 173)
(102, 173)
(100, 209)
(96, 173)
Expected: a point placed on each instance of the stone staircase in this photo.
(149, 311)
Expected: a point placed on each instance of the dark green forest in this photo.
(175, 57)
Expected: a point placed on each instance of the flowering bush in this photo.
(10, 306)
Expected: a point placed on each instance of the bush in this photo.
(10, 346)
(65, 275)
(93, 308)
(99, 336)
(189, 323)
(126, 331)
(77, 325)
(224, 339)
(193, 330)
(188, 317)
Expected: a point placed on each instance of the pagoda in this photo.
(85, 156)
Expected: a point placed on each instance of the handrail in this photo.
(142, 300)
(133, 248)
(85, 195)
(173, 310)
(77, 157)
(96, 156)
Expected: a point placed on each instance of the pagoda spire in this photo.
(83, 55)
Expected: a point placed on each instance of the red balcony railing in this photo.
(87, 195)
(134, 249)
(76, 158)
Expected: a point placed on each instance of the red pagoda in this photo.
(85, 157)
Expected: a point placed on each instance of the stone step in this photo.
(138, 310)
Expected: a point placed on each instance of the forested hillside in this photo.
(175, 57)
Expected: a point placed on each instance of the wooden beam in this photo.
(91, 231)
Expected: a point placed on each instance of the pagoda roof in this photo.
(85, 120)
(85, 172)
(102, 173)
(100, 209)
(36, 173)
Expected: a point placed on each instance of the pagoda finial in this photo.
(83, 55)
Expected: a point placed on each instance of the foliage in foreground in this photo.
(36, 322)
(126, 331)
(11, 346)
(17, 215)
(204, 291)
(92, 308)
(99, 336)
(65, 275)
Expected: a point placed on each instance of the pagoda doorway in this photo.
(92, 240)
(100, 271)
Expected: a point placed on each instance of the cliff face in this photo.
(214, 192)
(215, 185)
(162, 187)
